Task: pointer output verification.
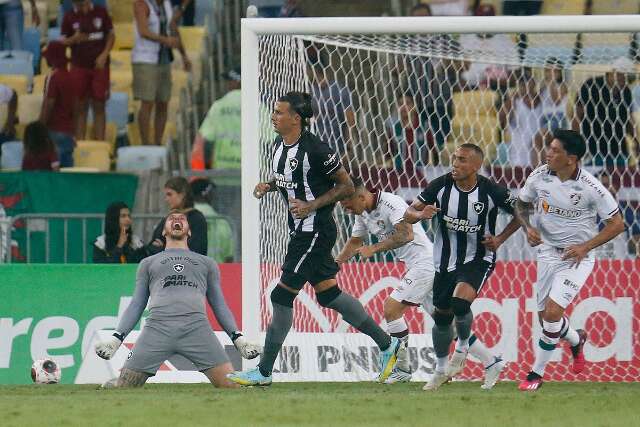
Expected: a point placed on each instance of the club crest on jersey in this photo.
(293, 164)
(380, 223)
(478, 207)
(575, 198)
(178, 268)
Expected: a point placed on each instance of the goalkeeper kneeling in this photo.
(175, 282)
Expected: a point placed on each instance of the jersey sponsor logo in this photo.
(568, 283)
(178, 259)
(587, 181)
(575, 198)
(177, 280)
(293, 164)
(478, 207)
(282, 182)
(561, 212)
(332, 158)
(178, 268)
(459, 224)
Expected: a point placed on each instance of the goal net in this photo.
(395, 106)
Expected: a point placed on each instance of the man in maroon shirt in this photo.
(60, 97)
(89, 31)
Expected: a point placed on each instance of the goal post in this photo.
(375, 68)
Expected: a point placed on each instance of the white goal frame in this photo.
(252, 28)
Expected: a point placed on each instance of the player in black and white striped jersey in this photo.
(311, 180)
(465, 244)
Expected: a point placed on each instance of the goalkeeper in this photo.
(177, 281)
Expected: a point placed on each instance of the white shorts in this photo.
(557, 279)
(415, 288)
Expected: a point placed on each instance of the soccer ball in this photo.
(45, 371)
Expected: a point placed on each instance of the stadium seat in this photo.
(110, 135)
(52, 10)
(121, 81)
(121, 10)
(615, 7)
(194, 38)
(124, 35)
(17, 62)
(12, 153)
(196, 66)
(29, 106)
(31, 43)
(179, 80)
(118, 110)
(80, 169)
(17, 82)
(563, 7)
(20, 130)
(93, 154)
(120, 60)
(38, 83)
(141, 158)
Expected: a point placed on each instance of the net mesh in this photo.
(395, 107)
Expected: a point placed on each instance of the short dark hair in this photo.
(474, 147)
(421, 6)
(572, 142)
(300, 103)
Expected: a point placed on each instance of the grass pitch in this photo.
(322, 404)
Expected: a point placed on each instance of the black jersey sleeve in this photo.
(502, 197)
(430, 194)
(323, 158)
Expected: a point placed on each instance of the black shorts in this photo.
(309, 258)
(474, 273)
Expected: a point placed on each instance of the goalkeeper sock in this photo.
(480, 351)
(353, 313)
(276, 333)
(442, 335)
(568, 333)
(546, 345)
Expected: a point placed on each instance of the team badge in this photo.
(97, 22)
(380, 223)
(293, 164)
(478, 207)
(575, 198)
(178, 268)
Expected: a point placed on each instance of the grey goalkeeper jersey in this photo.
(177, 281)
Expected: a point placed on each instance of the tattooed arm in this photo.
(523, 212)
(402, 234)
(342, 189)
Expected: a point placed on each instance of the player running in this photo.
(381, 214)
(309, 176)
(567, 200)
(466, 205)
(177, 281)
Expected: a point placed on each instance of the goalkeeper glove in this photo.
(246, 349)
(106, 349)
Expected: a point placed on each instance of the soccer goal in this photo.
(395, 96)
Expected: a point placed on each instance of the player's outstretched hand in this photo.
(533, 237)
(429, 211)
(299, 208)
(492, 242)
(106, 349)
(261, 189)
(576, 253)
(247, 350)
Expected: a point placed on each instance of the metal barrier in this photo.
(143, 225)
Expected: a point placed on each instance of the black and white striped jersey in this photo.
(302, 171)
(464, 218)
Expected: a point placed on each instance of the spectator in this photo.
(603, 114)
(521, 8)
(12, 23)
(178, 195)
(618, 247)
(220, 235)
(499, 48)
(89, 31)
(156, 33)
(333, 108)
(118, 244)
(291, 9)
(217, 143)
(60, 96)
(39, 151)
(268, 8)
(449, 7)
(521, 114)
(67, 5)
(410, 142)
(554, 96)
(8, 96)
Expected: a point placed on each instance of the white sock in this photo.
(546, 345)
(397, 328)
(441, 364)
(480, 351)
(568, 333)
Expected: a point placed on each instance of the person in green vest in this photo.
(219, 235)
(217, 144)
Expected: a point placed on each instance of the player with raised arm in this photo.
(176, 282)
(311, 180)
(466, 205)
(567, 200)
(381, 214)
